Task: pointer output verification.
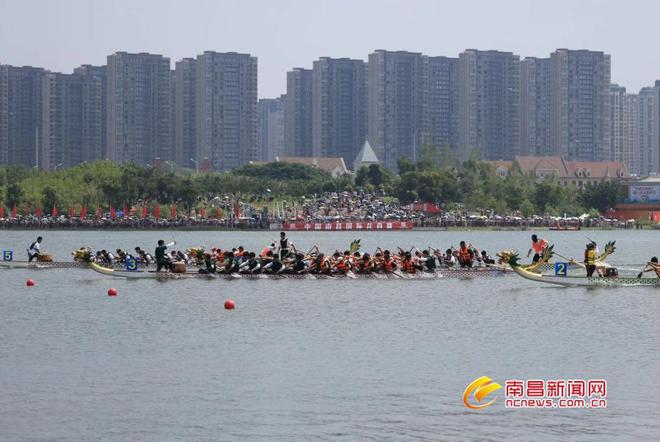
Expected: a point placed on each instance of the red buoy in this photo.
(112, 291)
(229, 304)
(29, 282)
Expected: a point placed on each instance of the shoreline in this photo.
(418, 229)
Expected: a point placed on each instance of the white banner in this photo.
(642, 194)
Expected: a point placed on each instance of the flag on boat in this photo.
(83, 212)
(173, 211)
(113, 213)
(38, 212)
(72, 212)
(55, 212)
(13, 211)
(156, 211)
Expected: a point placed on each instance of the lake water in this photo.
(318, 360)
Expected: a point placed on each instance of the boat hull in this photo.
(584, 281)
(449, 273)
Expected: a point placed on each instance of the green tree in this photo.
(601, 196)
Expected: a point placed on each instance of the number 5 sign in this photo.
(7, 255)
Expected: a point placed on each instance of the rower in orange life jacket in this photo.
(408, 264)
(538, 245)
(464, 255)
(388, 262)
(366, 265)
(265, 251)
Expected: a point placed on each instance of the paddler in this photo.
(35, 249)
(651, 266)
(449, 260)
(161, 259)
(366, 264)
(465, 255)
(209, 264)
(538, 246)
(408, 264)
(486, 258)
(428, 261)
(299, 265)
(270, 248)
(274, 266)
(389, 265)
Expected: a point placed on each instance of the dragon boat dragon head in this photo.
(509, 256)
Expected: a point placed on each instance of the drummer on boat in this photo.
(35, 249)
(161, 258)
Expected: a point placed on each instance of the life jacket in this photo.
(342, 265)
(322, 265)
(389, 264)
(539, 246)
(264, 252)
(409, 266)
(465, 255)
(366, 265)
(590, 257)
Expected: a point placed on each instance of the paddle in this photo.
(639, 275)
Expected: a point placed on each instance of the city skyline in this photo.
(206, 110)
(291, 34)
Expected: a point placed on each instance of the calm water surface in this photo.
(318, 360)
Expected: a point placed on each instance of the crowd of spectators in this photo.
(327, 207)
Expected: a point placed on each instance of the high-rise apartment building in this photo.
(648, 159)
(489, 104)
(271, 127)
(61, 128)
(397, 82)
(93, 80)
(339, 107)
(298, 136)
(442, 103)
(624, 127)
(138, 115)
(226, 109)
(20, 114)
(580, 120)
(185, 142)
(535, 106)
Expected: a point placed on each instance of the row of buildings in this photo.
(133, 109)
(205, 112)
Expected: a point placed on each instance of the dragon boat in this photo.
(475, 272)
(567, 280)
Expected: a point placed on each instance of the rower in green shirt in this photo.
(161, 259)
(429, 261)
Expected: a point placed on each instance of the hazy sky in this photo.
(62, 34)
